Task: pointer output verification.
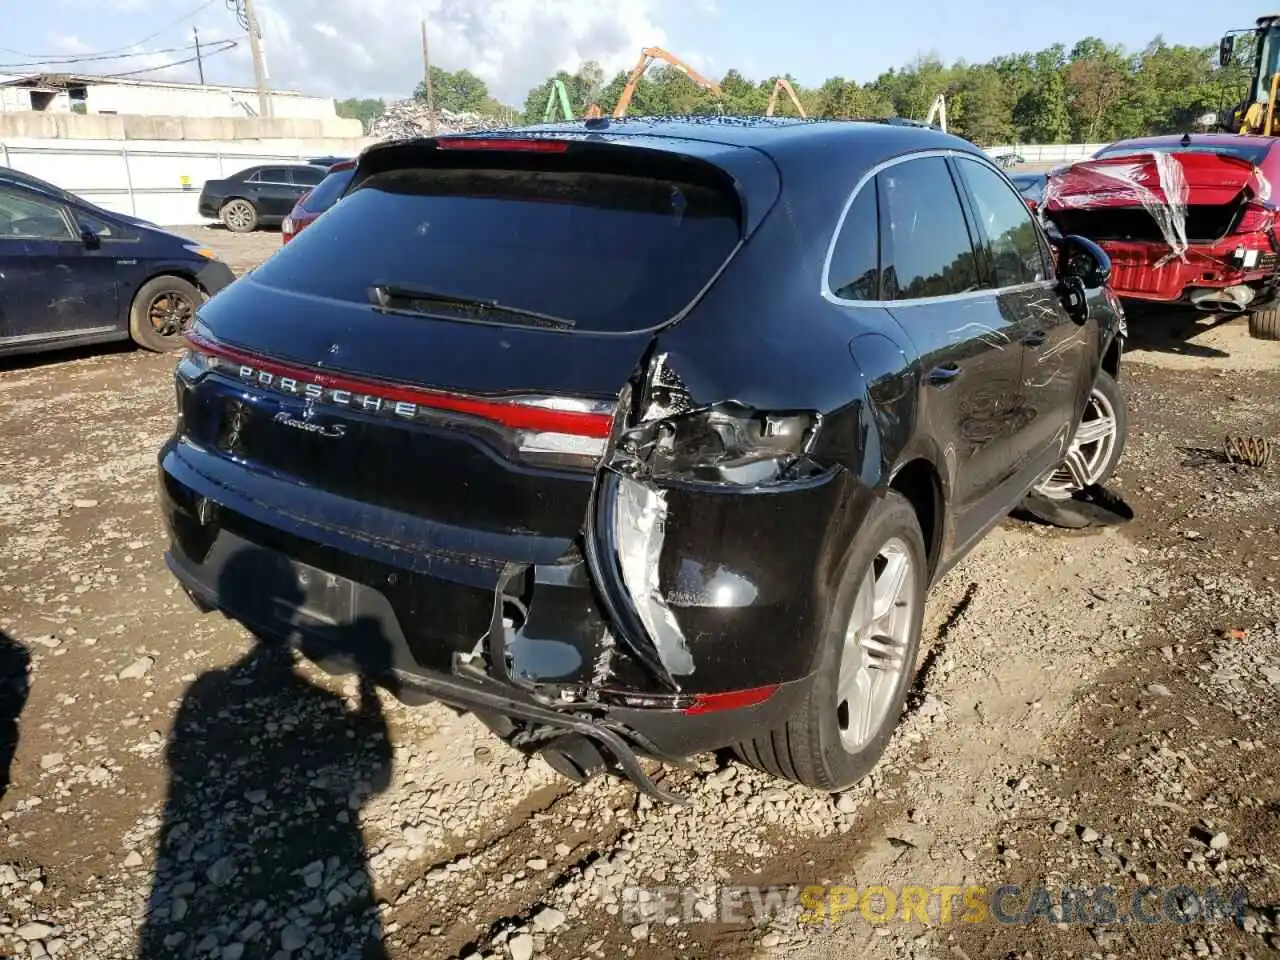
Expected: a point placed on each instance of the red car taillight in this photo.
(1256, 218)
(287, 231)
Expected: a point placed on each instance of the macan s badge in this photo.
(331, 431)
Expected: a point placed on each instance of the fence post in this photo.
(128, 179)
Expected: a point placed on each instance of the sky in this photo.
(372, 48)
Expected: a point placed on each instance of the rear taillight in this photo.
(1255, 218)
(502, 143)
(550, 430)
(287, 230)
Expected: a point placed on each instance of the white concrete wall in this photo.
(177, 101)
(146, 178)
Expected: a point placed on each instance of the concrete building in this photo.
(74, 93)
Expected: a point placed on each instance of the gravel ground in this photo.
(1092, 707)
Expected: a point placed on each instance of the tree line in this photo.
(1093, 92)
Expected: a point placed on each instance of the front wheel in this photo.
(163, 310)
(838, 734)
(1095, 449)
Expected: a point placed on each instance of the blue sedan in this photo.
(72, 273)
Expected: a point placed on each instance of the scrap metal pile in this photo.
(410, 118)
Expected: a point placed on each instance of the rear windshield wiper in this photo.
(395, 296)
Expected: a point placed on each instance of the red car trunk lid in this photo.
(1125, 181)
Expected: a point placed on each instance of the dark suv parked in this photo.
(641, 437)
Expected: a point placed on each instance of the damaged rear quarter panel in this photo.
(742, 573)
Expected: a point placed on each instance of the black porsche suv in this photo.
(640, 438)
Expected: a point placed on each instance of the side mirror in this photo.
(90, 237)
(1082, 266)
(1226, 49)
(1082, 259)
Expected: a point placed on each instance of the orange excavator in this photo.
(783, 85)
(647, 56)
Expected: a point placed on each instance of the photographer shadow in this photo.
(261, 853)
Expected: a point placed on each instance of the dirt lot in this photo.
(1092, 708)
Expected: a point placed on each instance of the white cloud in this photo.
(343, 49)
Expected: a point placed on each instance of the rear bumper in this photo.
(1149, 271)
(207, 206)
(416, 626)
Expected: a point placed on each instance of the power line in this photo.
(51, 57)
(68, 60)
(206, 53)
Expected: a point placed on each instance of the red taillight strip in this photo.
(729, 700)
(518, 414)
(491, 143)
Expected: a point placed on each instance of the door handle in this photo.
(1035, 338)
(944, 373)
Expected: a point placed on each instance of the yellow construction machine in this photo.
(1259, 113)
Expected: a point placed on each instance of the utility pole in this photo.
(259, 67)
(426, 69)
(199, 60)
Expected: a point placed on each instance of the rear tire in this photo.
(822, 745)
(163, 310)
(1265, 324)
(239, 216)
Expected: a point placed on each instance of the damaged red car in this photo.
(1187, 219)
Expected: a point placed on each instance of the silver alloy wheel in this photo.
(1089, 453)
(238, 215)
(875, 645)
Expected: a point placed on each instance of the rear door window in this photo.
(275, 175)
(855, 260)
(1005, 223)
(307, 176)
(609, 252)
(925, 244)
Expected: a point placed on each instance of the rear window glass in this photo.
(326, 195)
(1030, 187)
(1253, 153)
(609, 252)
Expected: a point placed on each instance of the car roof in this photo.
(769, 134)
(1202, 139)
(30, 180)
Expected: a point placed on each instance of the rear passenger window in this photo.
(855, 260)
(925, 242)
(1006, 224)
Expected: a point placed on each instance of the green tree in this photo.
(366, 110)
(460, 91)
(979, 108)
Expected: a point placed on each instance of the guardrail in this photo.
(154, 183)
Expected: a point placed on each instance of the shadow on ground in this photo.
(261, 853)
(15, 666)
(1168, 328)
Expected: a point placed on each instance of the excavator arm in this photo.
(558, 91)
(647, 56)
(782, 84)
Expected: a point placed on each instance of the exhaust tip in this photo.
(574, 757)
